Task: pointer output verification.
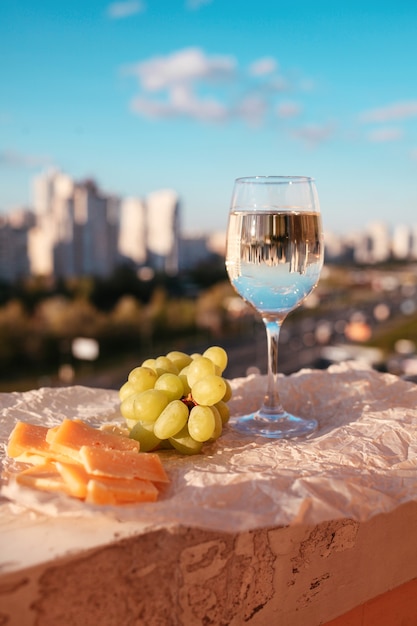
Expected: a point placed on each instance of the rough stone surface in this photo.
(291, 576)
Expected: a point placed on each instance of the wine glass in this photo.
(273, 259)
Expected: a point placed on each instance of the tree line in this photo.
(40, 318)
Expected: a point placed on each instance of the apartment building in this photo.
(77, 229)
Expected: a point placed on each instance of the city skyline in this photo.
(188, 95)
(75, 229)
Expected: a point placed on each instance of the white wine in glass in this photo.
(274, 257)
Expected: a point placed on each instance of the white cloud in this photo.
(383, 135)
(180, 103)
(178, 77)
(187, 103)
(211, 88)
(395, 111)
(252, 108)
(182, 67)
(314, 134)
(13, 158)
(264, 66)
(286, 110)
(119, 10)
(196, 4)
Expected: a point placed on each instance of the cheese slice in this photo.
(28, 438)
(122, 464)
(44, 477)
(35, 459)
(104, 490)
(71, 435)
(75, 478)
(87, 463)
(27, 444)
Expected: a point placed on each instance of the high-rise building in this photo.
(14, 260)
(163, 228)
(413, 245)
(91, 242)
(50, 241)
(401, 242)
(373, 246)
(80, 230)
(132, 233)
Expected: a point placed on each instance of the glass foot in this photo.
(283, 426)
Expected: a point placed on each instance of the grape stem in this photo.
(189, 401)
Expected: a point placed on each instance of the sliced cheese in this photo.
(71, 435)
(75, 478)
(122, 464)
(27, 444)
(81, 461)
(27, 438)
(34, 459)
(104, 490)
(44, 477)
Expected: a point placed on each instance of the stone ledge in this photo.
(291, 576)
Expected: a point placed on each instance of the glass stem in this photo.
(272, 403)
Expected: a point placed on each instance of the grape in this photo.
(165, 445)
(163, 364)
(171, 384)
(184, 443)
(184, 380)
(126, 390)
(172, 419)
(142, 378)
(218, 424)
(144, 433)
(201, 423)
(209, 390)
(179, 359)
(223, 410)
(199, 368)
(177, 401)
(127, 407)
(151, 363)
(228, 393)
(130, 423)
(149, 404)
(218, 356)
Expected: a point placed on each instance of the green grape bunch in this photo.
(177, 401)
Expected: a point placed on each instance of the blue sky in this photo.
(190, 94)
